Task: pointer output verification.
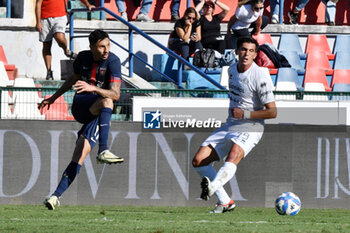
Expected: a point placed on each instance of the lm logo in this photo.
(151, 119)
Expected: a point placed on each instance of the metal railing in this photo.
(133, 29)
(21, 103)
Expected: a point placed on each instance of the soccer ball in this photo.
(288, 204)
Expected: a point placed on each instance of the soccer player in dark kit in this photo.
(96, 80)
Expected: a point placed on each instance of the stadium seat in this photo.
(288, 75)
(319, 60)
(26, 101)
(291, 42)
(263, 38)
(341, 87)
(11, 69)
(342, 60)
(285, 86)
(58, 110)
(341, 44)
(316, 76)
(341, 76)
(165, 64)
(314, 87)
(194, 80)
(4, 80)
(318, 43)
(294, 60)
(224, 77)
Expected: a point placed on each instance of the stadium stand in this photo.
(315, 87)
(263, 38)
(341, 87)
(317, 76)
(319, 43)
(291, 42)
(341, 76)
(288, 75)
(294, 60)
(4, 80)
(58, 110)
(224, 76)
(11, 69)
(318, 59)
(26, 101)
(286, 86)
(342, 59)
(341, 44)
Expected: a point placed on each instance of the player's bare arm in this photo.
(269, 112)
(112, 93)
(67, 85)
(38, 25)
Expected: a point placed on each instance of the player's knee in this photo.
(107, 103)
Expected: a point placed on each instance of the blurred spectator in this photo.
(330, 11)
(249, 14)
(210, 24)
(275, 11)
(143, 15)
(185, 39)
(121, 9)
(175, 6)
(51, 20)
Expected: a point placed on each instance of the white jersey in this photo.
(249, 90)
(245, 16)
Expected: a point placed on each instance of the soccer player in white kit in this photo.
(251, 101)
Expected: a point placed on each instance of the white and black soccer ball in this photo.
(288, 204)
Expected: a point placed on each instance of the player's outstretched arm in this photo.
(67, 85)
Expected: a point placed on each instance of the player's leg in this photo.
(47, 58)
(202, 164)
(82, 149)
(59, 29)
(103, 108)
(228, 170)
(243, 143)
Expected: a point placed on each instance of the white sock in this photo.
(210, 172)
(225, 174)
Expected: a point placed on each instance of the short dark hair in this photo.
(97, 35)
(247, 39)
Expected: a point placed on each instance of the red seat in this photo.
(317, 76)
(319, 60)
(341, 76)
(263, 38)
(58, 110)
(11, 69)
(319, 43)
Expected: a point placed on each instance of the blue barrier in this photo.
(130, 49)
(8, 9)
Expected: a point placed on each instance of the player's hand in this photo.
(81, 86)
(90, 7)
(237, 113)
(38, 26)
(46, 102)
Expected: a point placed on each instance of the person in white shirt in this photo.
(251, 101)
(249, 14)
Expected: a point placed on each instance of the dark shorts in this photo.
(82, 114)
(91, 132)
(81, 106)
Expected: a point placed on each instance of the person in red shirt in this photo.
(51, 21)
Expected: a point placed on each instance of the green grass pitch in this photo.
(155, 219)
